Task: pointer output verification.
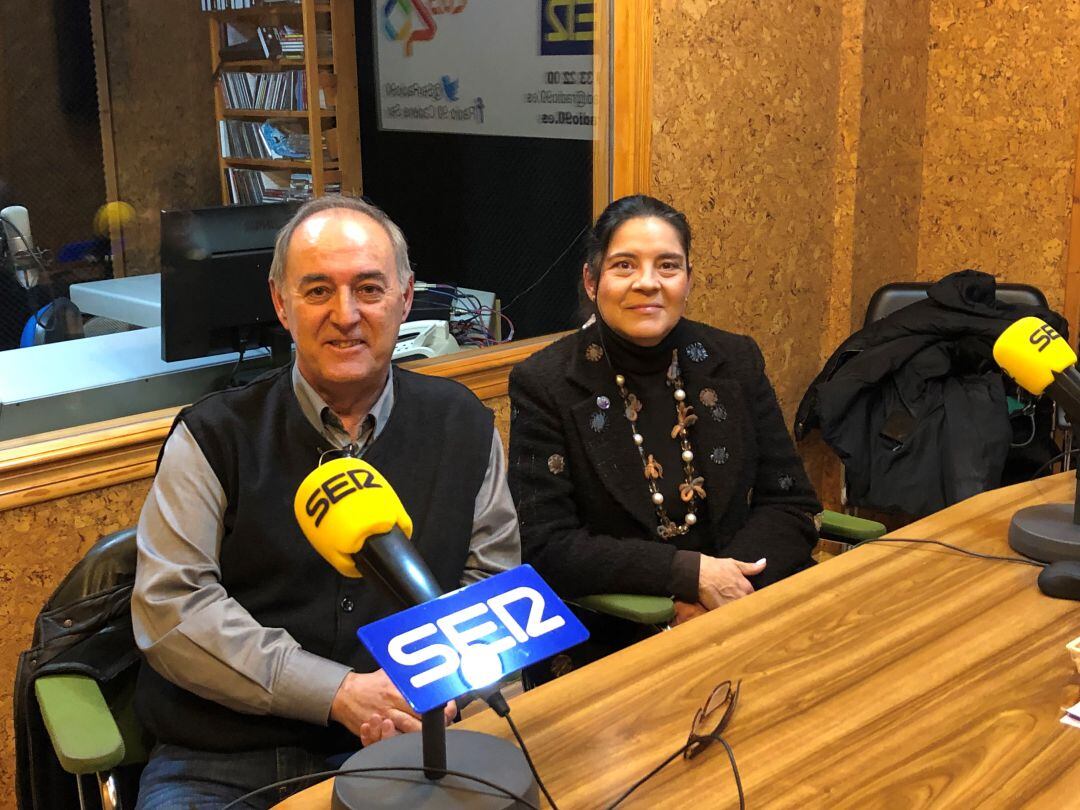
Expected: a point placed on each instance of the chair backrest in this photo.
(892, 297)
(110, 561)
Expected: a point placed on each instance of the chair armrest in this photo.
(632, 607)
(80, 725)
(848, 527)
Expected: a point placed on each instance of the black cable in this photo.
(731, 757)
(623, 796)
(532, 767)
(233, 382)
(408, 769)
(969, 552)
(1053, 461)
(545, 273)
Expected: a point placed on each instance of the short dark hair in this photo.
(622, 211)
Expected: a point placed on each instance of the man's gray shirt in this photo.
(199, 638)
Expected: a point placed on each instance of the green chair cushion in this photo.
(848, 527)
(83, 732)
(632, 607)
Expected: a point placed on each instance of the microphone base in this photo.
(1046, 532)
(481, 755)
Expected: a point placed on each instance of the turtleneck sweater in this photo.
(645, 369)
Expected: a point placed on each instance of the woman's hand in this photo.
(685, 611)
(722, 580)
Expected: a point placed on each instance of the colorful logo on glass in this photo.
(409, 21)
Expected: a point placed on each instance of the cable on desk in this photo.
(375, 772)
(1053, 461)
(968, 552)
(532, 767)
(731, 757)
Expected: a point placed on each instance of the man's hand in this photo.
(685, 611)
(372, 708)
(722, 580)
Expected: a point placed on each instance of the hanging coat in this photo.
(914, 404)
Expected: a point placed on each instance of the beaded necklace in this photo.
(693, 486)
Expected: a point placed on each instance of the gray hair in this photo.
(332, 202)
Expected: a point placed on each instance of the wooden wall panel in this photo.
(744, 140)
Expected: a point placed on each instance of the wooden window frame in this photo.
(76, 460)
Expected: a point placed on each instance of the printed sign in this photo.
(472, 637)
(486, 67)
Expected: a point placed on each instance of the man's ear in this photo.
(279, 305)
(407, 294)
(587, 280)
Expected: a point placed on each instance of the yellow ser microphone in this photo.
(1040, 360)
(355, 521)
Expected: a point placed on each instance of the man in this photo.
(255, 672)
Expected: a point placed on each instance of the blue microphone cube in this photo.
(472, 637)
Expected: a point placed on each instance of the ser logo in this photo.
(465, 642)
(1043, 337)
(334, 489)
(566, 27)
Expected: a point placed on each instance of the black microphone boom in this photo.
(392, 562)
(1065, 391)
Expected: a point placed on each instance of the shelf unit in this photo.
(311, 16)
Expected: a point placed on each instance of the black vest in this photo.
(434, 451)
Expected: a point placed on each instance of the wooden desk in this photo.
(892, 676)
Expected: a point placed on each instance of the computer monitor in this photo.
(214, 294)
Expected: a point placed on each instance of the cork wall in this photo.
(40, 545)
(744, 142)
(823, 150)
(158, 57)
(1000, 140)
(891, 129)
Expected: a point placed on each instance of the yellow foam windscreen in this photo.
(1030, 351)
(341, 504)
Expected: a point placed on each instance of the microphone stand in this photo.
(374, 562)
(434, 743)
(1050, 532)
(391, 563)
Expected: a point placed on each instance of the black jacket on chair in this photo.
(914, 404)
(84, 628)
(587, 523)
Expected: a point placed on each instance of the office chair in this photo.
(83, 628)
(892, 297)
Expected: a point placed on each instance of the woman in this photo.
(648, 453)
